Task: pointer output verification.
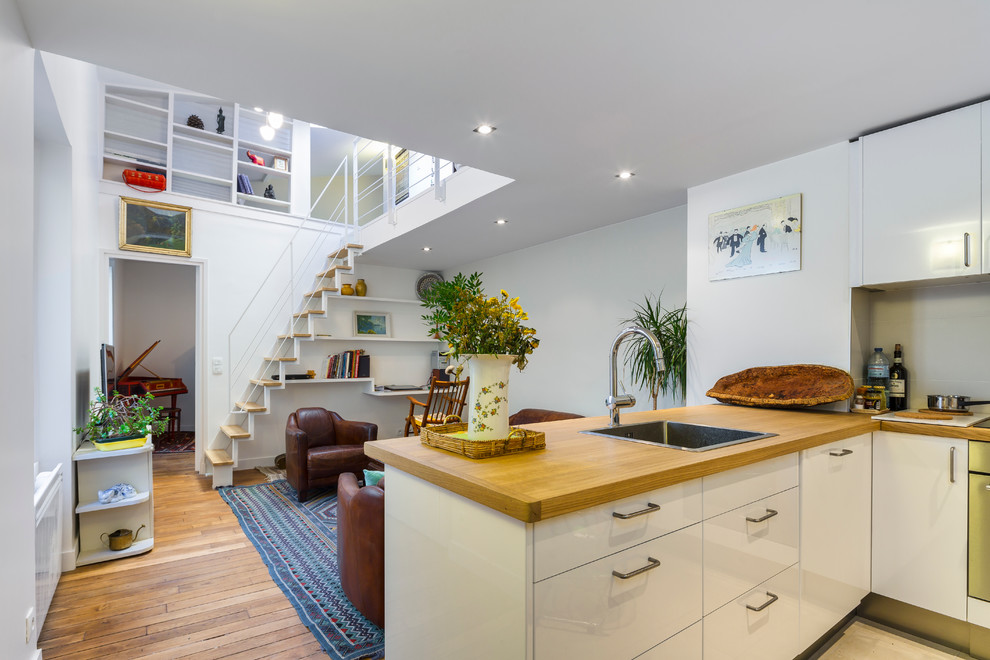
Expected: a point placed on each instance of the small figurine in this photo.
(256, 159)
(269, 192)
(220, 120)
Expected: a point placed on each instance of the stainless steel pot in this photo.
(952, 402)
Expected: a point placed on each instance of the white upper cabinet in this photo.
(922, 191)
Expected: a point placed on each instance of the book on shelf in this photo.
(349, 364)
(244, 184)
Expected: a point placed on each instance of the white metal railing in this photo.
(379, 178)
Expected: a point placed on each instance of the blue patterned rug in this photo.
(298, 543)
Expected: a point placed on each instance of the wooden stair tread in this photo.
(233, 431)
(321, 290)
(342, 252)
(333, 271)
(219, 457)
(266, 382)
(294, 335)
(251, 406)
(280, 359)
(308, 312)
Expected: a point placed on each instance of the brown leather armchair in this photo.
(320, 445)
(361, 546)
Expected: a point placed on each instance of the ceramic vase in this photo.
(346, 290)
(488, 396)
(361, 288)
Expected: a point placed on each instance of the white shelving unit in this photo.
(148, 129)
(97, 470)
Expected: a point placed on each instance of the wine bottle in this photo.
(898, 382)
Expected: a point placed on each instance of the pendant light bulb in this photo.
(267, 132)
(275, 120)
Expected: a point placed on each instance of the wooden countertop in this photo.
(577, 470)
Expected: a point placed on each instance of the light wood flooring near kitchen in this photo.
(203, 592)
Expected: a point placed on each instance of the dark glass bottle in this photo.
(898, 382)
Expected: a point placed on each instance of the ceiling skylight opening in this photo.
(485, 129)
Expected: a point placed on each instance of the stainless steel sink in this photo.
(680, 435)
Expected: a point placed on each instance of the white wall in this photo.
(17, 331)
(576, 290)
(786, 318)
(158, 301)
(943, 331)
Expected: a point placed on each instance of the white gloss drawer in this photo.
(728, 490)
(745, 546)
(762, 624)
(622, 605)
(564, 542)
(685, 645)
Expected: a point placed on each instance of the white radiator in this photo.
(47, 539)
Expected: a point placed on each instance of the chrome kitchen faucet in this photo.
(615, 400)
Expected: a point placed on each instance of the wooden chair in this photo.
(446, 398)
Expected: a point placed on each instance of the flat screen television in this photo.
(108, 371)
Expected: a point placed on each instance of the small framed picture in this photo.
(280, 163)
(372, 324)
(155, 227)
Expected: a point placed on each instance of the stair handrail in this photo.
(284, 296)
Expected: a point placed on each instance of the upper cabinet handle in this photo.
(650, 508)
(772, 598)
(770, 514)
(952, 465)
(650, 565)
(966, 250)
(841, 452)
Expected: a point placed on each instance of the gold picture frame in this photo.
(155, 227)
(280, 163)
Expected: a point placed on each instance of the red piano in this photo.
(155, 385)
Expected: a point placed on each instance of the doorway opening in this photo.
(155, 327)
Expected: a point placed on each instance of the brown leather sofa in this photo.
(361, 546)
(320, 445)
(536, 415)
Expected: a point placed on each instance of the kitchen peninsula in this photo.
(600, 547)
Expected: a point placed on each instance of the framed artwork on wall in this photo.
(375, 324)
(156, 227)
(757, 239)
(280, 163)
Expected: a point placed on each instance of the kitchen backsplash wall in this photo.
(944, 332)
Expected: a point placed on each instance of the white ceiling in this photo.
(680, 91)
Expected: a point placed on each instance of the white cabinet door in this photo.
(922, 199)
(835, 532)
(985, 250)
(762, 624)
(920, 488)
(590, 612)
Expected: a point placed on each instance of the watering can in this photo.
(121, 539)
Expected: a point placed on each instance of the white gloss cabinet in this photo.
(920, 518)
(621, 605)
(835, 532)
(922, 199)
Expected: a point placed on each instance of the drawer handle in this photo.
(650, 508)
(642, 569)
(841, 452)
(771, 601)
(769, 514)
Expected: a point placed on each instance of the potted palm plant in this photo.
(116, 421)
(670, 327)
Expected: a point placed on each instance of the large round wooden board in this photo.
(787, 386)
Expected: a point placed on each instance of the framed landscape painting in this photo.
(147, 226)
(757, 239)
(372, 324)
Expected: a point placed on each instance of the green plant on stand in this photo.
(122, 416)
(670, 327)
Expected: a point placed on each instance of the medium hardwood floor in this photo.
(202, 592)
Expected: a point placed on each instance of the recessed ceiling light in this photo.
(501, 221)
(485, 129)
(625, 174)
(426, 248)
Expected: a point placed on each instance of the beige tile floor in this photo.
(863, 639)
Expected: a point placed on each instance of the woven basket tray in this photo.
(519, 440)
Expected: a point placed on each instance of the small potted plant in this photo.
(114, 421)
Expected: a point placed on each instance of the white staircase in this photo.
(221, 454)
